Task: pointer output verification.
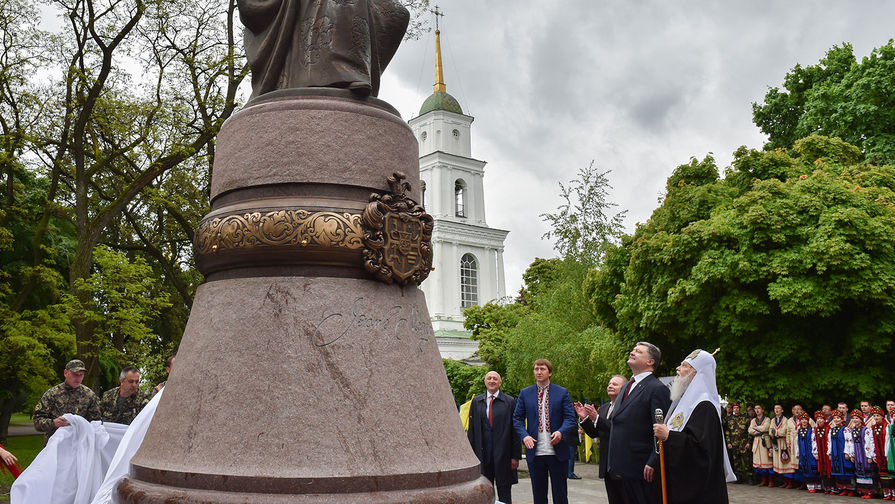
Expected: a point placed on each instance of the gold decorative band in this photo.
(259, 228)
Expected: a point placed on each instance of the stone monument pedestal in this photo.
(301, 378)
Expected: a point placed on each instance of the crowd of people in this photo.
(701, 445)
(834, 451)
(546, 422)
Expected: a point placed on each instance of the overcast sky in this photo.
(640, 87)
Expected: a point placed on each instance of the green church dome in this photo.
(440, 100)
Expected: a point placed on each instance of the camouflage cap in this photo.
(75, 365)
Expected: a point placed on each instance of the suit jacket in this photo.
(505, 443)
(631, 441)
(561, 413)
(601, 431)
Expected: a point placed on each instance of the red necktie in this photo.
(628, 389)
(491, 412)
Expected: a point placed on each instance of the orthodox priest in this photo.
(321, 43)
(696, 464)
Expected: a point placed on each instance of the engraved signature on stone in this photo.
(335, 326)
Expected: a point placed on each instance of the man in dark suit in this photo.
(632, 449)
(493, 438)
(547, 408)
(596, 423)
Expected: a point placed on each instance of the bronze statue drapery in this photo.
(321, 43)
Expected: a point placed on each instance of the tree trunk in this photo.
(87, 346)
(7, 408)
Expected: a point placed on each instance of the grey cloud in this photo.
(637, 86)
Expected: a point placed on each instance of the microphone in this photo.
(660, 418)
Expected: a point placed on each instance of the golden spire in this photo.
(439, 71)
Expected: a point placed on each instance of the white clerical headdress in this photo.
(702, 388)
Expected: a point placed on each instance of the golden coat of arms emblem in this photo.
(397, 235)
(677, 421)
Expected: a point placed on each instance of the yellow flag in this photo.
(588, 445)
(464, 414)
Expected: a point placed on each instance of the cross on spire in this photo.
(439, 71)
(438, 14)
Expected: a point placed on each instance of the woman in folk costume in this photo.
(820, 449)
(806, 452)
(792, 430)
(695, 453)
(859, 448)
(841, 467)
(761, 453)
(877, 427)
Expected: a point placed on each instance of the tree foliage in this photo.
(466, 380)
(489, 325)
(561, 327)
(131, 91)
(553, 318)
(106, 138)
(837, 97)
(107, 141)
(124, 298)
(583, 225)
(787, 264)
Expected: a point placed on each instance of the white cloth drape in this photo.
(129, 445)
(82, 463)
(70, 469)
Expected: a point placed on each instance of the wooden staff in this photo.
(660, 418)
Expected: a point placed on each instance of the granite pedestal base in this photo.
(300, 378)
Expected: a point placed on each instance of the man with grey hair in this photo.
(122, 403)
(633, 461)
(596, 423)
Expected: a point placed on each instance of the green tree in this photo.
(790, 272)
(124, 298)
(582, 225)
(553, 318)
(489, 325)
(105, 139)
(838, 97)
(561, 327)
(466, 380)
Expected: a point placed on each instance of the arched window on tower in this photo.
(422, 194)
(469, 283)
(460, 198)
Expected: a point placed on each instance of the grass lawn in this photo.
(20, 418)
(25, 448)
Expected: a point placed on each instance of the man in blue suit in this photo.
(547, 410)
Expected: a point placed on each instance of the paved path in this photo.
(591, 490)
(22, 429)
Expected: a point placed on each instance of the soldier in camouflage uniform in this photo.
(739, 443)
(122, 403)
(67, 397)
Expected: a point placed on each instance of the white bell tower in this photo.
(467, 254)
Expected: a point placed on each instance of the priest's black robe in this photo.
(320, 43)
(694, 459)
